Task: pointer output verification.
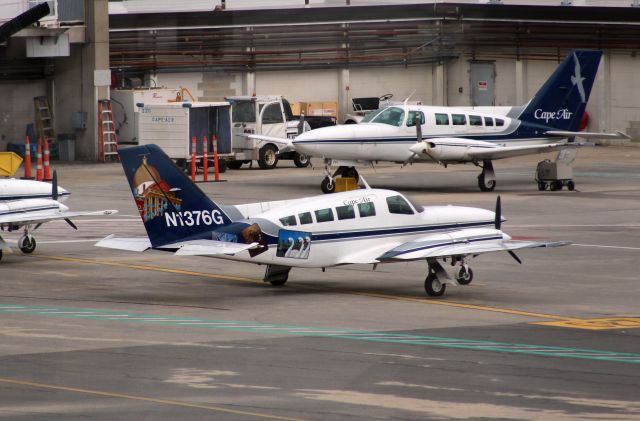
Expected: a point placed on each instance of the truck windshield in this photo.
(244, 112)
(393, 116)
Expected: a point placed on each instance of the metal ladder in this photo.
(44, 119)
(107, 137)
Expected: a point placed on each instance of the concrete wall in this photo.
(17, 110)
(302, 85)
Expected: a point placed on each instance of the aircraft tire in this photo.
(464, 276)
(328, 185)
(27, 245)
(433, 286)
(279, 282)
(301, 160)
(268, 157)
(486, 187)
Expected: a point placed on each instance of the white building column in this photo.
(344, 94)
(439, 81)
(521, 83)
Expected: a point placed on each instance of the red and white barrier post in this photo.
(27, 160)
(215, 158)
(193, 159)
(39, 161)
(205, 159)
(47, 167)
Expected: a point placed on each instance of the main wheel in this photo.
(328, 185)
(27, 244)
(235, 165)
(279, 282)
(268, 157)
(301, 160)
(486, 186)
(464, 276)
(433, 286)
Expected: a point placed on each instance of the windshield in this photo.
(417, 206)
(244, 112)
(392, 116)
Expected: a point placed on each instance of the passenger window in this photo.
(475, 120)
(458, 119)
(411, 121)
(442, 119)
(288, 220)
(488, 121)
(499, 122)
(366, 209)
(397, 204)
(324, 215)
(305, 218)
(272, 114)
(345, 212)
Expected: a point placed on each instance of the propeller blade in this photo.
(515, 256)
(54, 185)
(71, 223)
(409, 160)
(498, 221)
(418, 123)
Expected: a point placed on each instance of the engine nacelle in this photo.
(450, 149)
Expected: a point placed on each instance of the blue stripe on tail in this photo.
(562, 100)
(171, 206)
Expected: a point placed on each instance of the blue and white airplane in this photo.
(366, 226)
(27, 204)
(550, 121)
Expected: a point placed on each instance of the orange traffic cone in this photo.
(39, 161)
(27, 160)
(47, 169)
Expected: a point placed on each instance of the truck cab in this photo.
(267, 115)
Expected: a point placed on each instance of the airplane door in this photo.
(483, 77)
(272, 121)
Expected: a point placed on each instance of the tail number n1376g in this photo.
(193, 218)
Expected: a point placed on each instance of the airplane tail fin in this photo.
(562, 100)
(171, 206)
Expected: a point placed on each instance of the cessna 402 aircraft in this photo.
(448, 135)
(366, 226)
(25, 203)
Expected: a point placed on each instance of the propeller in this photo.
(54, 185)
(417, 147)
(68, 221)
(498, 224)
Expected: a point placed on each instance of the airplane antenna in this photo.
(407, 98)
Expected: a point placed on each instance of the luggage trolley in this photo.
(557, 174)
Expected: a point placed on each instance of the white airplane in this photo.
(367, 226)
(458, 135)
(27, 204)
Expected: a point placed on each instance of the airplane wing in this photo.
(46, 216)
(210, 248)
(279, 140)
(138, 244)
(589, 135)
(430, 248)
(500, 152)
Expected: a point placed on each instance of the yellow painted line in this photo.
(597, 324)
(366, 294)
(144, 399)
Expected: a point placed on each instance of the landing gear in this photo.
(301, 160)
(487, 178)
(328, 184)
(464, 275)
(276, 275)
(433, 286)
(27, 244)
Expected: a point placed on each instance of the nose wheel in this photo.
(328, 185)
(464, 275)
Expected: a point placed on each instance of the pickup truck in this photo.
(268, 115)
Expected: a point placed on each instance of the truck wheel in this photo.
(268, 158)
(301, 160)
(222, 165)
(235, 165)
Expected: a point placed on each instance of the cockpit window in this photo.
(413, 115)
(367, 118)
(397, 204)
(392, 116)
(288, 220)
(417, 206)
